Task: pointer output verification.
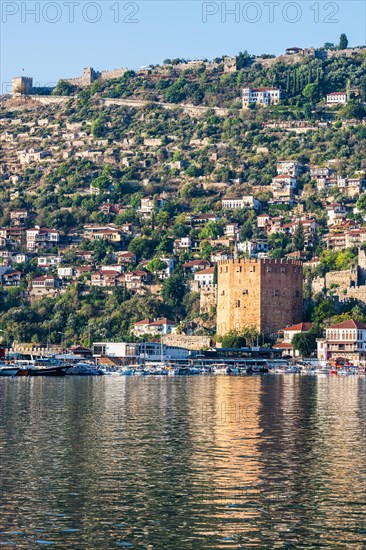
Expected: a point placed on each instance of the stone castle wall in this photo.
(208, 299)
(110, 75)
(90, 75)
(192, 110)
(188, 342)
(264, 294)
(349, 52)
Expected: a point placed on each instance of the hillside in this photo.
(111, 182)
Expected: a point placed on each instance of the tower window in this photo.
(237, 303)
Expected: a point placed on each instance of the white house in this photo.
(336, 213)
(284, 180)
(247, 201)
(289, 168)
(232, 229)
(337, 98)
(38, 236)
(185, 244)
(343, 342)
(159, 326)
(261, 96)
(65, 272)
(253, 248)
(48, 261)
(204, 277)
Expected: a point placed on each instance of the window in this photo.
(297, 294)
(252, 269)
(283, 270)
(245, 292)
(237, 303)
(238, 269)
(275, 293)
(223, 293)
(269, 269)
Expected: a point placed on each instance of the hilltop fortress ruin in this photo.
(90, 75)
(23, 85)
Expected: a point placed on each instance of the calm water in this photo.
(183, 462)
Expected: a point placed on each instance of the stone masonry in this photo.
(263, 294)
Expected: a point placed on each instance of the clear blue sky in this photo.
(65, 39)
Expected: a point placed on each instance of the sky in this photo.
(49, 40)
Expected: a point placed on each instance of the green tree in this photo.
(210, 231)
(233, 339)
(311, 92)
(361, 203)
(64, 88)
(156, 265)
(98, 127)
(343, 42)
(305, 343)
(206, 250)
(142, 247)
(299, 238)
(174, 289)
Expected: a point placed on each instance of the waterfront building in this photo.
(125, 353)
(264, 294)
(344, 342)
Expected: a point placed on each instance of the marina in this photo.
(58, 368)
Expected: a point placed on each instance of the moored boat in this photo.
(8, 370)
(48, 371)
(84, 369)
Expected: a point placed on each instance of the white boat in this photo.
(219, 368)
(292, 369)
(126, 372)
(8, 370)
(84, 369)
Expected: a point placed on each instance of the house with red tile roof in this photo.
(286, 335)
(343, 343)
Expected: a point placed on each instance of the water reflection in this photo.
(183, 463)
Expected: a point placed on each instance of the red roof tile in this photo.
(349, 324)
